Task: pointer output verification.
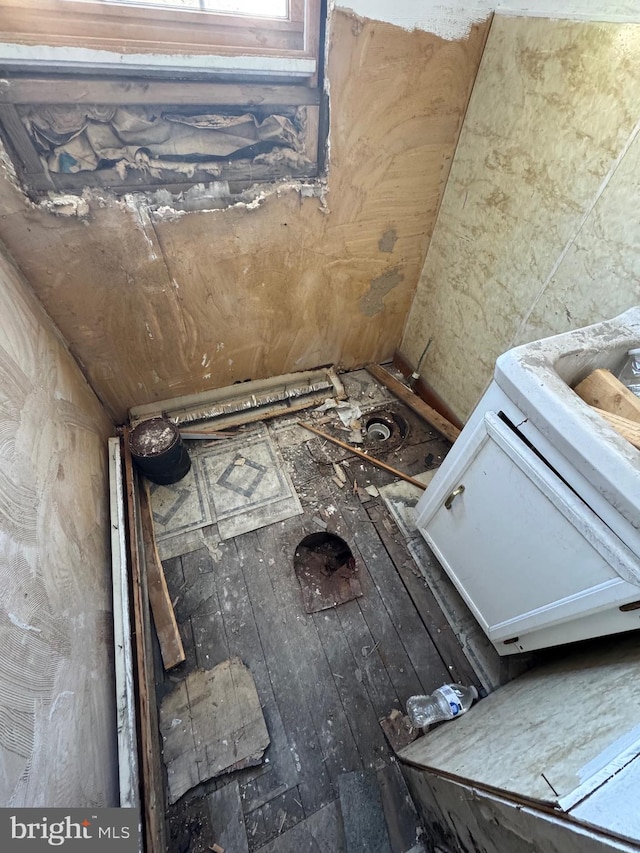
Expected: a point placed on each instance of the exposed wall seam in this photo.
(583, 219)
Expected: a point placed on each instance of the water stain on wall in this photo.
(388, 240)
(372, 302)
(141, 295)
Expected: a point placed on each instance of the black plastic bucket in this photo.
(157, 449)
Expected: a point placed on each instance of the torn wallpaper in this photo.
(75, 138)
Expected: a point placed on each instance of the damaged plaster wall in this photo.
(539, 228)
(454, 18)
(156, 305)
(57, 729)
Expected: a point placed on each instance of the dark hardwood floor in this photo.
(324, 679)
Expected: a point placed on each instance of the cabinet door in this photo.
(522, 548)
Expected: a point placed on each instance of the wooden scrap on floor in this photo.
(211, 723)
(602, 390)
(205, 434)
(433, 418)
(398, 730)
(378, 462)
(626, 428)
(151, 795)
(161, 606)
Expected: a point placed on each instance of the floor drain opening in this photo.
(385, 430)
(378, 431)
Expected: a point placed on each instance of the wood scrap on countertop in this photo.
(602, 390)
(626, 428)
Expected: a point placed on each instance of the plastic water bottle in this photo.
(630, 373)
(445, 703)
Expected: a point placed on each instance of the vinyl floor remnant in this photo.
(325, 679)
(240, 485)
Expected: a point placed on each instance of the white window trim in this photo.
(89, 60)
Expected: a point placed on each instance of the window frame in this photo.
(215, 74)
(139, 29)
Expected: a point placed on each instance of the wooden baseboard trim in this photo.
(425, 391)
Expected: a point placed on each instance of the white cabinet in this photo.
(525, 551)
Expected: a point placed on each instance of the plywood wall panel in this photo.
(554, 105)
(57, 738)
(156, 307)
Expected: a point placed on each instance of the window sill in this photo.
(20, 57)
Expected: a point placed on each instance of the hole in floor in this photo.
(326, 552)
(326, 569)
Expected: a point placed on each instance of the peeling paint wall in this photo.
(155, 305)
(57, 719)
(539, 228)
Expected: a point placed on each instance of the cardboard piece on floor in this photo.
(212, 723)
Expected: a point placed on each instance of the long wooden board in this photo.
(30, 90)
(377, 462)
(433, 418)
(161, 607)
(602, 390)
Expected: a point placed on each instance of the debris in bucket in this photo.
(158, 451)
(153, 437)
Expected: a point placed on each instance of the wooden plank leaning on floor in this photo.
(163, 616)
(433, 418)
(152, 791)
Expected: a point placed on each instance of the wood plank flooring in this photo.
(324, 680)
